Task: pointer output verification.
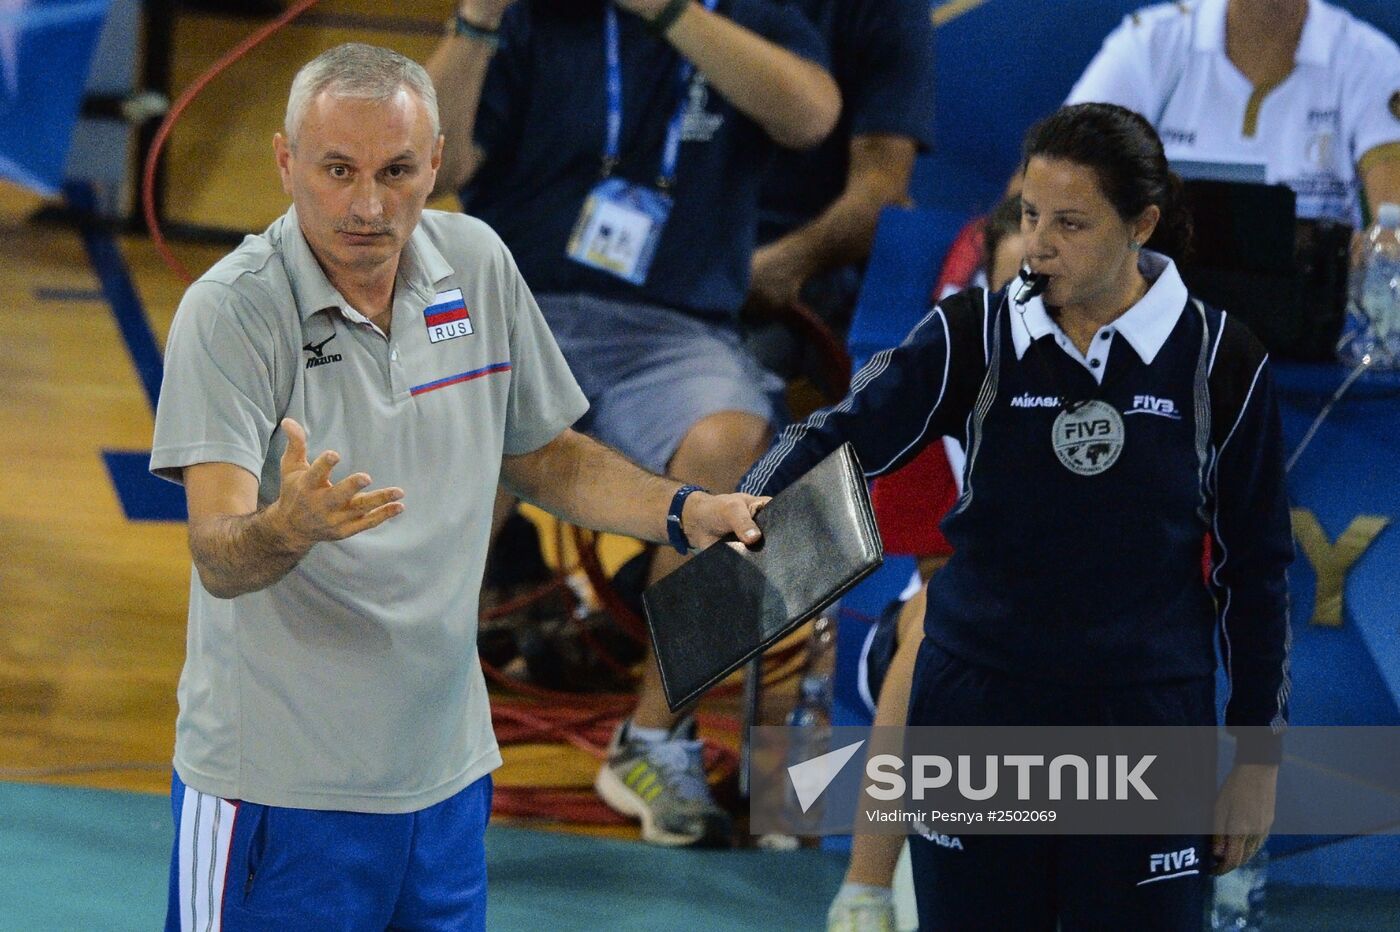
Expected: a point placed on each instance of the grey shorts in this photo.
(651, 373)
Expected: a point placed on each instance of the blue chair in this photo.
(905, 260)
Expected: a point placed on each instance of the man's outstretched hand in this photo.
(311, 508)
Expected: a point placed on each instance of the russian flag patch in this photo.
(447, 316)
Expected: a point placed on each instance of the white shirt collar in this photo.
(1320, 32)
(1210, 26)
(1146, 325)
(1314, 46)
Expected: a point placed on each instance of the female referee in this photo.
(1075, 594)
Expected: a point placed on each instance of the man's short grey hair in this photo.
(359, 72)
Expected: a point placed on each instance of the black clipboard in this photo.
(730, 603)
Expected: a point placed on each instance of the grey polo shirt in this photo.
(353, 682)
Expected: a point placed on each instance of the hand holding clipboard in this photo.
(729, 603)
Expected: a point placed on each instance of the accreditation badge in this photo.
(618, 229)
(1088, 437)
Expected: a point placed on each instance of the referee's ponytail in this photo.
(1126, 154)
(1173, 234)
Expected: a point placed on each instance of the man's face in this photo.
(359, 176)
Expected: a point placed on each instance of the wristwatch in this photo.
(461, 26)
(674, 532)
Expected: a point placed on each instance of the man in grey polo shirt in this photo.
(334, 742)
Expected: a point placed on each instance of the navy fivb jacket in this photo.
(1064, 570)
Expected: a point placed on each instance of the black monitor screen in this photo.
(1242, 227)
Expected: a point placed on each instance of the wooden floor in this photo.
(92, 634)
(220, 164)
(92, 606)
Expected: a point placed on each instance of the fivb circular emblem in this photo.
(1088, 437)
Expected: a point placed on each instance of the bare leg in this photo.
(715, 454)
(653, 772)
(873, 857)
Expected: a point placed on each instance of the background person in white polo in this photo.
(331, 685)
(1299, 86)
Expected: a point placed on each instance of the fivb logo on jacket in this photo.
(1151, 404)
(1088, 437)
(447, 316)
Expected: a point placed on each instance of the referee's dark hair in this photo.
(1126, 154)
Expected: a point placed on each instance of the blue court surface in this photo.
(74, 859)
(79, 859)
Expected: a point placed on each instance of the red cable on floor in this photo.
(148, 174)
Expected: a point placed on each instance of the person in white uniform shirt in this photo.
(1299, 86)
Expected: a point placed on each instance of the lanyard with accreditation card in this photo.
(620, 224)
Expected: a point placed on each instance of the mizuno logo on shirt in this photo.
(1027, 400)
(319, 357)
